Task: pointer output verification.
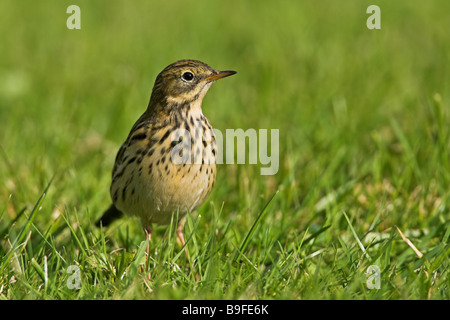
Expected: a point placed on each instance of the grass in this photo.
(364, 150)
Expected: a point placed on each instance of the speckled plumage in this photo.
(148, 184)
(149, 180)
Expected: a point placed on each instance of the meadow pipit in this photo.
(166, 167)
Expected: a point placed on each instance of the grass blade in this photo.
(26, 227)
(253, 228)
(356, 236)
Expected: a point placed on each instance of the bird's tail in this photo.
(109, 216)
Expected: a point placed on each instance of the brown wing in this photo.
(133, 147)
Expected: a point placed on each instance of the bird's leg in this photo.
(180, 235)
(183, 243)
(148, 236)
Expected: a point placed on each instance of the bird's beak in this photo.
(219, 74)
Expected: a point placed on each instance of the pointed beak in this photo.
(219, 74)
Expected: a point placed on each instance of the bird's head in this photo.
(184, 82)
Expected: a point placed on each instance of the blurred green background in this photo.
(314, 71)
(363, 114)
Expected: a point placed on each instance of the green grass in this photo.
(364, 148)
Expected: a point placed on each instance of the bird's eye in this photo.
(188, 76)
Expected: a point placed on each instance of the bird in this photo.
(166, 167)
